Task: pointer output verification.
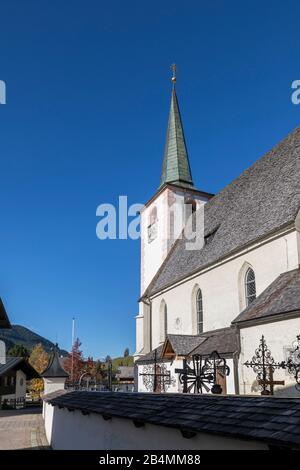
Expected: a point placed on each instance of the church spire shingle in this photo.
(176, 166)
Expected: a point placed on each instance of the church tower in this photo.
(164, 216)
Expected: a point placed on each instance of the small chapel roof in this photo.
(223, 340)
(262, 200)
(182, 345)
(273, 420)
(282, 297)
(149, 357)
(4, 320)
(54, 368)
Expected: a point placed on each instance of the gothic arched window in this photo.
(250, 286)
(163, 313)
(199, 309)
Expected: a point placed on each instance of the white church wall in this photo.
(279, 337)
(72, 430)
(176, 386)
(139, 325)
(220, 288)
(154, 252)
(230, 385)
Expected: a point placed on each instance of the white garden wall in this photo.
(73, 430)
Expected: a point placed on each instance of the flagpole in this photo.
(73, 335)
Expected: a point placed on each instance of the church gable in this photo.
(180, 345)
(262, 200)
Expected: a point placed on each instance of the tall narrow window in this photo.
(199, 307)
(250, 286)
(165, 321)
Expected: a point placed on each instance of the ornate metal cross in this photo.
(293, 362)
(156, 377)
(264, 365)
(202, 374)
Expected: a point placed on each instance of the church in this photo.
(219, 320)
(238, 294)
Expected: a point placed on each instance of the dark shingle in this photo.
(183, 344)
(149, 357)
(225, 341)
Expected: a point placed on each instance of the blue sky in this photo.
(88, 91)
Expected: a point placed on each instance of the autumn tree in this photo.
(74, 363)
(39, 360)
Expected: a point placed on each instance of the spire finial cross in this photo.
(173, 68)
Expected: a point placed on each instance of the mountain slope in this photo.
(22, 335)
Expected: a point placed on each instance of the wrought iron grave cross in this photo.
(157, 377)
(293, 362)
(264, 365)
(202, 374)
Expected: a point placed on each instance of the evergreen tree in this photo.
(18, 350)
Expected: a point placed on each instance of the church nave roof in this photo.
(262, 200)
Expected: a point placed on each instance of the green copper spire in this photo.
(176, 166)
